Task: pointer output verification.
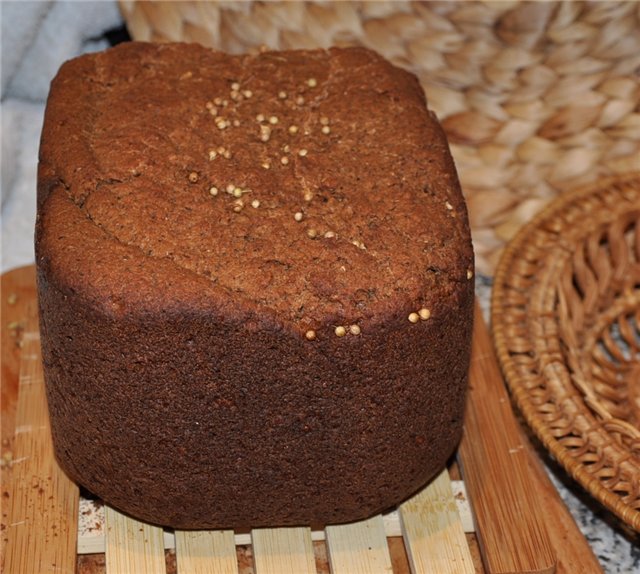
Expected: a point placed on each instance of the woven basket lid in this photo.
(566, 324)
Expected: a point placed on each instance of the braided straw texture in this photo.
(566, 324)
(536, 97)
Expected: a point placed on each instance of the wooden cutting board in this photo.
(521, 523)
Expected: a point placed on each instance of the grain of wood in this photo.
(359, 548)
(206, 552)
(42, 525)
(132, 547)
(433, 533)
(17, 296)
(283, 551)
(91, 537)
(572, 549)
(511, 530)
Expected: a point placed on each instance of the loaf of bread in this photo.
(255, 279)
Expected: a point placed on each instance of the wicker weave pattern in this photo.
(536, 97)
(566, 323)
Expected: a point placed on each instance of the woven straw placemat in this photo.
(536, 97)
(566, 325)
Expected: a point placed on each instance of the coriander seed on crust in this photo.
(194, 372)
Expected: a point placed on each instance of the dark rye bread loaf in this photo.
(255, 284)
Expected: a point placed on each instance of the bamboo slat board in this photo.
(206, 552)
(359, 548)
(42, 529)
(91, 529)
(283, 550)
(133, 546)
(430, 522)
(507, 512)
(433, 532)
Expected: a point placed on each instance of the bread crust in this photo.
(194, 374)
